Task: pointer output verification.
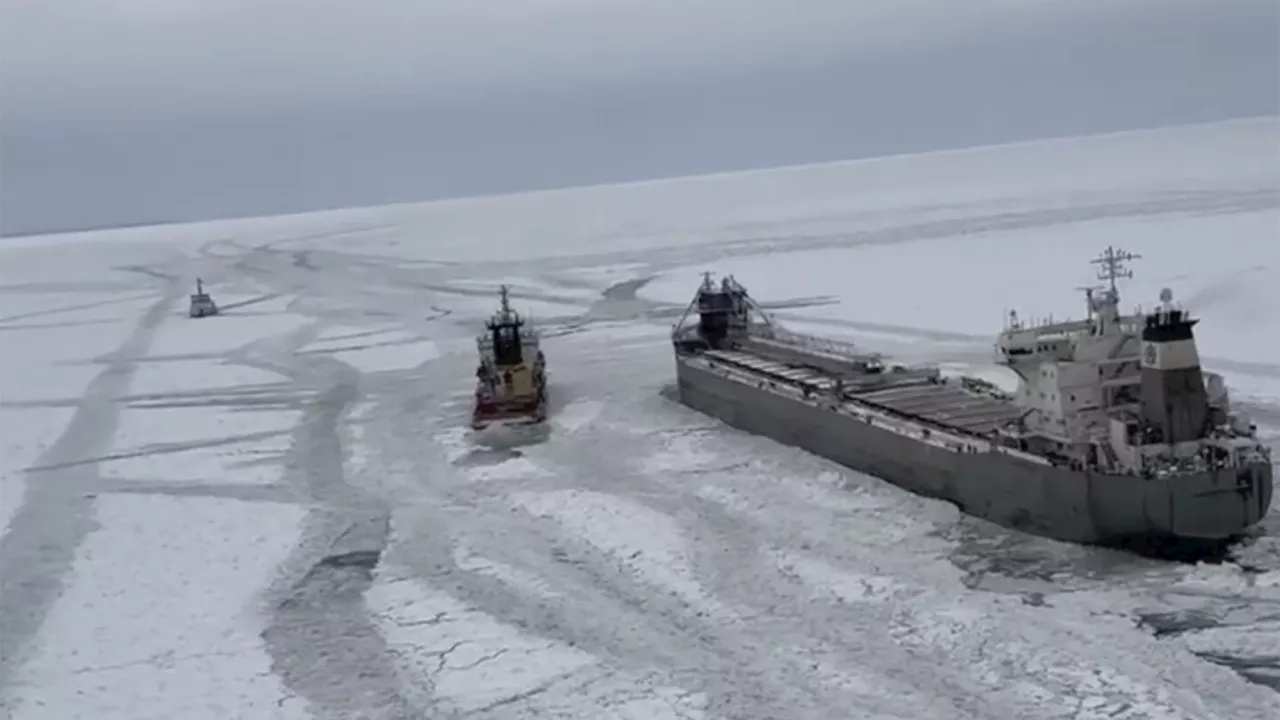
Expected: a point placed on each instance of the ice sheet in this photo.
(377, 350)
(477, 665)
(946, 287)
(162, 618)
(640, 560)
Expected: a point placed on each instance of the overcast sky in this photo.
(126, 111)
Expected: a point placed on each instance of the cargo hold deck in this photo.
(944, 404)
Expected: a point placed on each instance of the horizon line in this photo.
(720, 174)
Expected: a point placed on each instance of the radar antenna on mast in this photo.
(1090, 300)
(1112, 262)
(706, 281)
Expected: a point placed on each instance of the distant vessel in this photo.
(1114, 432)
(201, 303)
(511, 378)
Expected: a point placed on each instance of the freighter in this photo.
(511, 376)
(1114, 432)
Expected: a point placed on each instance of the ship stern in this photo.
(1212, 505)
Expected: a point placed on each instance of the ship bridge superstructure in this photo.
(1122, 390)
(508, 339)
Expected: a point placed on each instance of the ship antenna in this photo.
(1112, 262)
(1089, 301)
(506, 305)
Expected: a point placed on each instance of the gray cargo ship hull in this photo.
(1046, 500)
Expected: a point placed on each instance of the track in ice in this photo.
(757, 569)
(1011, 556)
(714, 498)
(618, 303)
(474, 458)
(587, 309)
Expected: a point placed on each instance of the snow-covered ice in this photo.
(374, 350)
(641, 540)
(279, 512)
(159, 619)
(477, 665)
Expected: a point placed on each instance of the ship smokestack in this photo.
(1175, 405)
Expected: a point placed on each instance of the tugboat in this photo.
(201, 303)
(1114, 434)
(511, 378)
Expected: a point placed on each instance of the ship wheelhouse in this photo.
(506, 342)
(508, 339)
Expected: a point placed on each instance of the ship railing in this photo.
(1164, 467)
(857, 385)
(835, 349)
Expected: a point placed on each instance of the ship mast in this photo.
(1112, 268)
(1112, 261)
(505, 315)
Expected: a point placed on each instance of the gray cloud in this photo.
(124, 54)
(142, 110)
